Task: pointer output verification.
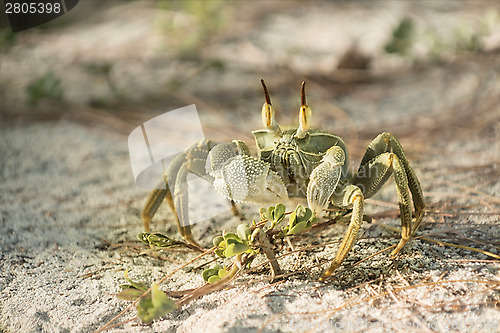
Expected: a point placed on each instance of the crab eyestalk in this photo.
(268, 114)
(304, 114)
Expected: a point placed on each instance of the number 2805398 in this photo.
(32, 8)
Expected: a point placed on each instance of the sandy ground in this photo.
(70, 208)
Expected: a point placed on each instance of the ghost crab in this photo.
(294, 163)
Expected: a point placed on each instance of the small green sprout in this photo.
(154, 305)
(275, 214)
(231, 244)
(132, 290)
(214, 274)
(301, 219)
(150, 306)
(158, 240)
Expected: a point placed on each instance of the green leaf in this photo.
(130, 294)
(270, 213)
(302, 213)
(220, 253)
(216, 241)
(243, 232)
(207, 273)
(223, 273)
(299, 227)
(235, 249)
(144, 306)
(133, 284)
(292, 220)
(213, 278)
(266, 214)
(231, 238)
(262, 213)
(46, 86)
(279, 213)
(160, 300)
(158, 240)
(405, 29)
(155, 305)
(308, 214)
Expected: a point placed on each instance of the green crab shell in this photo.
(308, 152)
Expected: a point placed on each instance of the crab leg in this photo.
(377, 165)
(153, 202)
(175, 182)
(413, 183)
(373, 175)
(352, 196)
(384, 143)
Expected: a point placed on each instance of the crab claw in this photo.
(240, 177)
(324, 179)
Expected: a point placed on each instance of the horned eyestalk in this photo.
(304, 114)
(268, 115)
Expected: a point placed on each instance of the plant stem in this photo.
(210, 287)
(267, 248)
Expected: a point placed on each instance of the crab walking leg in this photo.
(153, 202)
(194, 162)
(373, 174)
(386, 143)
(181, 200)
(162, 191)
(413, 183)
(402, 190)
(175, 182)
(353, 196)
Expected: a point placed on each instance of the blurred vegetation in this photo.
(46, 86)
(7, 38)
(192, 25)
(103, 70)
(403, 38)
(464, 37)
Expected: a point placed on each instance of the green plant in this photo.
(47, 86)
(403, 38)
(150, 305)
(188, 24)
(7, 38)
(240, 247)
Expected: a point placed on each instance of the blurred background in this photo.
(73, 89)
(402, 66)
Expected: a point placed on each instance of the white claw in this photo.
(324, 179)
(322, 184)
(244, 178)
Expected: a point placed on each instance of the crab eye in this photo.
(304, 114)
(268, 114)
